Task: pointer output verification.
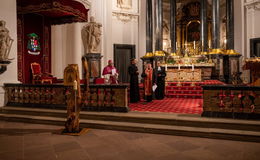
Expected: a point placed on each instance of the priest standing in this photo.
(160, 81)
(134, 83)
(148, 82)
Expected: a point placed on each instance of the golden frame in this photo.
(187, 26)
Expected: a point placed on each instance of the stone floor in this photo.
(22, 141)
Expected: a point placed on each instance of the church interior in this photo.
(175, 63)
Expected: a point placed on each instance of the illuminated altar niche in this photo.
(188, 27)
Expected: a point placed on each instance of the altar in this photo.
(188, 73)
(183, 75)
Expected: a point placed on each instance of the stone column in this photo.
(149, 27)
(216, 53)
(231, 59)
(230, 26)
(203, 26)
(215, 27)
(173, 27)
(158, 28)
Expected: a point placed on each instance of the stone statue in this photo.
(91, 36)
(120, 2)
(5, 42)
(124, 4)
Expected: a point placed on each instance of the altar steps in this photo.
(187, 89)
(175, 95)
(158, 123)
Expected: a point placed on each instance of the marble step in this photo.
(142, 118)
(183, 88)
(184, 91)
(228, 134)
(179, 95)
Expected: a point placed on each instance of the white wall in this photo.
(250, 27)
(252, 14)
(8, 14)
(120, 26)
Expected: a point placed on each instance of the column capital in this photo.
(252, 5)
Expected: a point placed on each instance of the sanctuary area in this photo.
(177, 57)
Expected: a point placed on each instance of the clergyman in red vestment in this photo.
(148, 82)
(111, 72)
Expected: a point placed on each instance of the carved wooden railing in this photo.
(106, 98)
(231, 101)
(98, 98)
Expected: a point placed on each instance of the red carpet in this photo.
(179, 99)
(170, 105)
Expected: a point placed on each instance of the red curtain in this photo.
(33, 23)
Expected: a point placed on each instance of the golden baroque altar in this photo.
(188, 69)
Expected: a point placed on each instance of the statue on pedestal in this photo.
(91, 36)
(5, 42)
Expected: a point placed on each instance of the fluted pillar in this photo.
(149, 27)
(203, 26)
(173, 26)
(158, 28)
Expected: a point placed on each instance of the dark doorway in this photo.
(122, 55)
(255, 47)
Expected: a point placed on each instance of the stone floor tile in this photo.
(19, 155)
(41, 142)
(66, 146)
(77, 154)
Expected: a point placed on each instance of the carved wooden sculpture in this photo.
(74, 96)
(71, 79)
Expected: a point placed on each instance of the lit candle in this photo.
(179, 66)
(194, 45)
(75, 85)
(225, 41)
(192, 67)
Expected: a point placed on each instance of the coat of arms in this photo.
(33, 45)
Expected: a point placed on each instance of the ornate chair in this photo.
(39, 77)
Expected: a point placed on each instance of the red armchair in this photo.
(39, 77)
(99, 81)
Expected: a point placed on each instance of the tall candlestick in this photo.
(194, 45)
(75, 85)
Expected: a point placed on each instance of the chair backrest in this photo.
(36, 68)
